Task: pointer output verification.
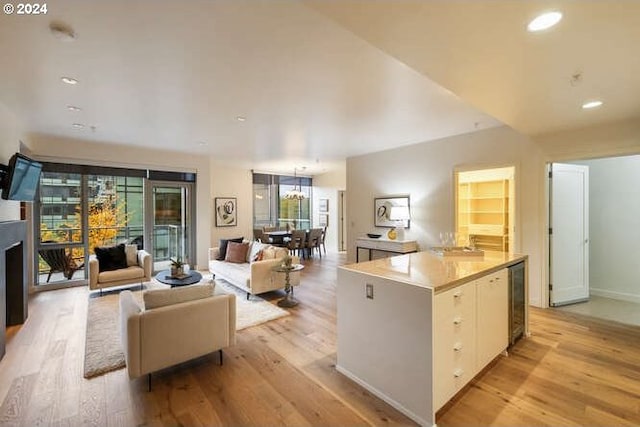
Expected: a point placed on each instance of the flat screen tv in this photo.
(21, 179)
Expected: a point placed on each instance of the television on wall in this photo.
(20, 178)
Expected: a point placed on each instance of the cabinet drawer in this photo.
(453, 341)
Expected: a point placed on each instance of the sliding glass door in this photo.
(80, 207)
(169, 212)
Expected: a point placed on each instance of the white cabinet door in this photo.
(492, 317)
(453, 341)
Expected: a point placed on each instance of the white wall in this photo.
(10, 136)
(611, 139)
(229, 181)
(83, 152)
(425, 172)
(614, 227)
(327, 186)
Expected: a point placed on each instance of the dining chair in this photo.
(298, 242)
(313, 241)
(322, 237)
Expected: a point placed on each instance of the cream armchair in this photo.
(156, 338)
(136, 274)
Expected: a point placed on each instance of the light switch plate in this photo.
(369, 290)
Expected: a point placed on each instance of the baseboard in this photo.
(623, 296)
(384, 397)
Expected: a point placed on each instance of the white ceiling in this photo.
(317, 82)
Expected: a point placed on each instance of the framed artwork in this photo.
(324, 220)
(324, 205)
(226, 212)
(382, 211)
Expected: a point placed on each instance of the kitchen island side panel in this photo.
(385, 343)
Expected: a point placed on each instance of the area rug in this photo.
(103, 351)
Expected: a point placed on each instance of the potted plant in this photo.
(177, 266)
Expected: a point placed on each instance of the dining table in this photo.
(278, 237)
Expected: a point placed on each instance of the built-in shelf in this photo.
(483, 213)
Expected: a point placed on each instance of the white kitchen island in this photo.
(415, 329)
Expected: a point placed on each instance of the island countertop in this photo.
(439, 273)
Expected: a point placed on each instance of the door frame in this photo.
(342, 216)
(514, 198)
(149, 220)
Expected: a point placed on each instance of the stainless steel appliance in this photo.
(516, 302)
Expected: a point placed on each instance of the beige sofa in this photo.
(135, 274)
(179, 329)
(254, 277)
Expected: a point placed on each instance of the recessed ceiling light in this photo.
(241, 118)
(591, 104)
(77, 126)
(73, 108)
(69, 80)
(544, 21)
(202, 143)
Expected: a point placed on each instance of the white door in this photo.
(569, 234)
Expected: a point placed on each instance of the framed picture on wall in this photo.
(382, 210)
(323, 205)
(226, 211)
(324, 220)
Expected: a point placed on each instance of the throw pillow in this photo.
(155, 298)
(237, 252)
(131, 252)
(223, 247)
(256, 248)
(111, 257)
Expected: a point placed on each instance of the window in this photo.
(271, 208)
(81, 207)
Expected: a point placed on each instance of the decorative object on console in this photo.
(382, 211)
(225, 211)
(374, 235)
(400, 214)
(391, 234)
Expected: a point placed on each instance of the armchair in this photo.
(135, 274)
(188, 323)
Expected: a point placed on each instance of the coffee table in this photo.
(165, 277)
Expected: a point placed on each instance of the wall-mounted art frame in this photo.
(382, 211)
(324, 220)
(226, 211)
(323, 205)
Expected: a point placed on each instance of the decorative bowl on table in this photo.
(374, 235)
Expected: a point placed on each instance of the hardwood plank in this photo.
(573, 370)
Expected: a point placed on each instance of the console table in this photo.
(385, 245)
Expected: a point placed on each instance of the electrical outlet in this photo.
(369, 290)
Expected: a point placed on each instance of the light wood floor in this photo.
(572, 371)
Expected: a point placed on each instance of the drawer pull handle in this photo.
(457, 346)
(457, 321)
(458, 294)
(458, 373)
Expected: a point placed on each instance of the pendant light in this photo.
(295, 194)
